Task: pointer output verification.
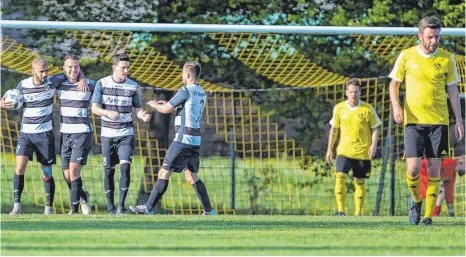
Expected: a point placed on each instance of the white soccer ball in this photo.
(15, 96)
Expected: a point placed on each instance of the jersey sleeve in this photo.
(20, 86)
(453, 76)
(181, 96)
(335, 121)
(97, 96)
(399, 69)
(374, 119)
(137, 102)
(91, 84)
(56, 80)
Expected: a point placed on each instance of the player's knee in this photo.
(191, 178)
(190, 181)
(74, 171)
(413, 170)
(67, 178)
(46, 172)
(125, 161)
(21, 164)
(359, 181)
(340, 175)
(164, 174)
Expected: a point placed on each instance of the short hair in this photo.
(431, 22)
(352, 82)
(193, 68)
(39, 61)
(71, 57)
(121, 57)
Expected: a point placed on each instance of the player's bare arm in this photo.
(99, 111)
(332, 138)
(454, 96)
(373, 147)
(161, 106)
(82, 85)
(395, 100)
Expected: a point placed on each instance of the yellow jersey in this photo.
(425, 77)
(355, 124)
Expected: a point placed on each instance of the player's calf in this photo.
(49, 185)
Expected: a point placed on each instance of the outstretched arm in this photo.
(161, 106)
(165, 107)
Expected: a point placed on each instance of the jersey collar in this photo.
(426, 55)
(355, 107)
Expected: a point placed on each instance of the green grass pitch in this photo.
(35, 234)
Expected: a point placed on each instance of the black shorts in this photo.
(74, 148)
(361, 168)
(41, 143)
(116, 149)
(180, 157)
(431, 141)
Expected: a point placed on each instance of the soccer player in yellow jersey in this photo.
(426, 70)
(358, 123)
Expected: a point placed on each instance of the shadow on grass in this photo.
(202, 224)
(229, 248)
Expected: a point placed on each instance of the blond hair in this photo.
(352, 82)
(193, 68)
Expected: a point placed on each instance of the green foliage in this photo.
(337, 53)
(10, 79)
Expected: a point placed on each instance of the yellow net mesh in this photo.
(272, 168)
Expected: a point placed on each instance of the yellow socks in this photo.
(359, 195)
(433, 190)
(340, 191)
(413, 186)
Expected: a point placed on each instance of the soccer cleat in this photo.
(111, 212)
(16, 209)
(71, 213)
(85, 206)
(212, 212)
(340, 213)
(141, 209)
(121, 211)
(415, 213)
(48, 210)
(426, 222)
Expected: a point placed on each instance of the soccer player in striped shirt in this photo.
(183, 153)
(114, 98)
(358, 124)
(36, 133)
(426, 70)
(76, 132)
